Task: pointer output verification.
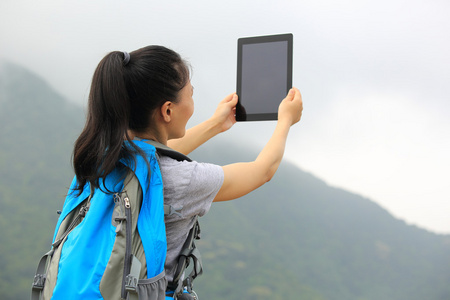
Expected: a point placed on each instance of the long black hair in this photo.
(123, 96)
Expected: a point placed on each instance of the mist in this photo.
(373, 75)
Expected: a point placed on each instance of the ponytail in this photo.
(99, 146)
(125, 90)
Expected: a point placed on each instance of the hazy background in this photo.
(374, 77)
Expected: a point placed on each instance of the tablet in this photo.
(264, 76)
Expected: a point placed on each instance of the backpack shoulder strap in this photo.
(189, 250)
(165, 150)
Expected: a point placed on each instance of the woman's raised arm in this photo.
(242, 178)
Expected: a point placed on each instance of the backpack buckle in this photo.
(38, 281)
(170, 210)
(131, 283)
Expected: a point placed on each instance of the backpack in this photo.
(98, 251)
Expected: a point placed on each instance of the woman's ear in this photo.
(166, 111)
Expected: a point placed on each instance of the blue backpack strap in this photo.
(151, 215)
(163, 149)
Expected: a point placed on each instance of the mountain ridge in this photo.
(294, 236)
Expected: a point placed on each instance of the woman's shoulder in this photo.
(176, 171)
(188, 170)
(169, 163)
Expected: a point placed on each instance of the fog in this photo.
(373, 74)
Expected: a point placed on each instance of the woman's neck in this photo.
(147, 136)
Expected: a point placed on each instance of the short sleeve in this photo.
(191, 186)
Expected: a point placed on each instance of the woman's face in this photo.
(182, 111)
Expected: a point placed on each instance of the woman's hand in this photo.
(222, 120)
(224, 116)
(290, 109)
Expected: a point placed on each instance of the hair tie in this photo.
(126, 57)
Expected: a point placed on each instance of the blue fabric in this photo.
(151, 217)
(88, 247)
(171, 293)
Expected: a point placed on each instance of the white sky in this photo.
(374, 77)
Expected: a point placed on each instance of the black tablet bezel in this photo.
(241, 114)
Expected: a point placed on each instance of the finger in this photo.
(290, 95)
(297, 92)
(232, 102)
(228, 98)
(234, 99)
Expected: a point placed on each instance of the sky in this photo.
(374, 76)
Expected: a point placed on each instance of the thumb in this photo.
(234, 99)
(290, 95)
(231, 99)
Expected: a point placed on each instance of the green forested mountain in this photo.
(298, 236)
(37, 129)
(295, 238)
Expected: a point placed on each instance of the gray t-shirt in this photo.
(191, 186)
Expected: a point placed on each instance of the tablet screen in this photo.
(264, 76)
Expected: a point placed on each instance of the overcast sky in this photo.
(375, 79)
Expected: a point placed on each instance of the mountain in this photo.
(296, 237)
(37, 130)
(323, 242)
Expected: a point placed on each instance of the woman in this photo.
(147, 94)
